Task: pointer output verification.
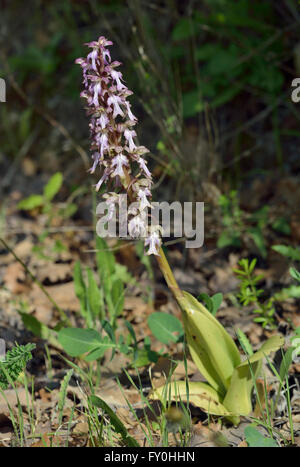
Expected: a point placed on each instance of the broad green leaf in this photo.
(121, 272)
(265, 76)
(288, 292)
(76, 341)
(143, 357)
(165, 327)
(53, 186)
(204, 297)
(223, 60)
(229, 239)
(272, 344)
(281, 225)
(287, 251)
(184, 29)
(100, 350)
(117, 297)
(238, 396)
(80, 288)
(39, 329)
(94, 296)
(259, 240)
(192, 104)
(205, 51)
(105, 260)
(256, 440)
(226, 96)
(32, 202)
(200, 394)
(217, 300)
(122, 346)
(212, 349)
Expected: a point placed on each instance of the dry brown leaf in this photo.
(115, 397)
(62, 294)
(55, 272)
(126, 417)
(11, 398)
(243, 444)
(47, 441)
(23, 249)
(82, 427)
(45, 396)
(14, 278)
(29, 167)
(223, 280)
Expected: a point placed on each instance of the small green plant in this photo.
(293, 255)
(288, 251)
(230, 380)
(172, 417)
(104, 300)
(100, 306)
(44, 203)
(91, 344)
(212, 303)
(101, 303)
(251, 294)
(237, 224)
(115, 421)
(256, 440)
(14, 363)
(294, 342)
(165, 327)
(290, 354)
(232, 221)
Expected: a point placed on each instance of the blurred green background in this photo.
(211, 81)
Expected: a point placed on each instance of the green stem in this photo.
(169, 277)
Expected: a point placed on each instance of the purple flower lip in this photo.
(114, 149)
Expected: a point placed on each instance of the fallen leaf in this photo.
(14, 278)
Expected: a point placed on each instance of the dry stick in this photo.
(61, 312)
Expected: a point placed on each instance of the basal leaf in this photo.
(32, 202)
(76, 341)
(256, 440)
(165, 327)
(53, 186)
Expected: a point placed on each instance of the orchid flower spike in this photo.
(114, 149)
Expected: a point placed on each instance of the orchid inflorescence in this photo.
(113, 144)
